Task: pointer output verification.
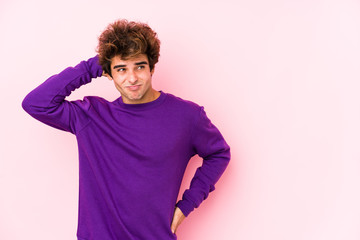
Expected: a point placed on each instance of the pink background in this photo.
(280, 79)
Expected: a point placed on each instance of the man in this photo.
(133, 151)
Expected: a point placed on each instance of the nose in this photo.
(132, 77)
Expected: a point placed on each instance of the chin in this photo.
(136, 97)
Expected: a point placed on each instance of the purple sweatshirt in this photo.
(132, 157)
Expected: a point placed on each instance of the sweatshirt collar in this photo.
(142, 106)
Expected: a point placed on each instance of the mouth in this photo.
(133, 87)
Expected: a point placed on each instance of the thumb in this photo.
(177, 219)
(173, 226)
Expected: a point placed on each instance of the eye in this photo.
(121, 69)
(141, 67)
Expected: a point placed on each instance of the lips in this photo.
(133, 87)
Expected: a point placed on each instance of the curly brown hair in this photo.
(127, 39)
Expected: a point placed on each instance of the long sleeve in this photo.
(209, 144)
(47, 103)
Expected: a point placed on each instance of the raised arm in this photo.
(47, 103)
(210, 145)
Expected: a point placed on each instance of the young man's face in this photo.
(132, 78)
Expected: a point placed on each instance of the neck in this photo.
(152, 95)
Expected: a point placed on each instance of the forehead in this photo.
(128, 61)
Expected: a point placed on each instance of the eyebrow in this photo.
(138, 63)
(141, 63)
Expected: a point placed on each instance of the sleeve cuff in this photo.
(186, 207)
(95, 67)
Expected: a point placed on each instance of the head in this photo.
(122, 47)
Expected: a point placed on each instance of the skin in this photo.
(177, 219)
(133, 79)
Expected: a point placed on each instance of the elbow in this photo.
(227, 153)
(31, 104)
(26, 104)
(222, 155)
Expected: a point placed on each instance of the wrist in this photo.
(185, 206)
(94, 67)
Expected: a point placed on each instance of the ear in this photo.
(152, 71)
(107, 75)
